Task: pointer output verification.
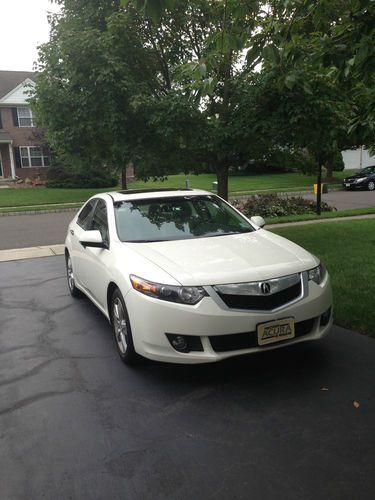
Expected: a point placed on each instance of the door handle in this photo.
(72, 232)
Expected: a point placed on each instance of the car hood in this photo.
(254, 256)
(356, 176)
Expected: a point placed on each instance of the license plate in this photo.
(275, 331)
(347, 185)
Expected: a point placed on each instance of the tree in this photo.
(116, 86)
(306, 88)
(82, 93)
(190, 119)
(315, 105)
(175, 85)
(337, 38)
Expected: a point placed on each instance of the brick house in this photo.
(21, 152)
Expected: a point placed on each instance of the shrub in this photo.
(61, 175)
(272, 205)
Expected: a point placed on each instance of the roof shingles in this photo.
(9, 80)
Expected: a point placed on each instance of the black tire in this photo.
(122, 330)
(74, 291)
(371, 185)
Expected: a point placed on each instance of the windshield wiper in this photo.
(227, 233)
(143, 241)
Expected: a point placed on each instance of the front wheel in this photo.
(74, 291)
(121, 329)
(371, 185)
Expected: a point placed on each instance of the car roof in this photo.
(141, 194)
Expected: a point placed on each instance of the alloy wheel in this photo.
(69, 269)
(120, 326)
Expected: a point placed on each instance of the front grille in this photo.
(238, 341)
(262, 302)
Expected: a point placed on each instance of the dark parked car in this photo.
(363, 179)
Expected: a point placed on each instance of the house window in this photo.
(25, 117)
(33, 156)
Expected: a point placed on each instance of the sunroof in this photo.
(155, 190)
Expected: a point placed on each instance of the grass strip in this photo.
(324, 215)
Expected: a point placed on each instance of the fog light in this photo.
(179, 343)
(325, 317)
(185, 343)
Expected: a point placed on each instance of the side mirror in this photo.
(258, 221)
(92, 239)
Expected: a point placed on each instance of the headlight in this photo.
(317, 274)
(182, 294)
(360, 179)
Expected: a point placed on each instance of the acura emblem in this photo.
(265, 288)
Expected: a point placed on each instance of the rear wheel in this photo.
(121, 329)
(371, 185)
(74, 292)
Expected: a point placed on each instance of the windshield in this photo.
(177, 218)
(367, 171)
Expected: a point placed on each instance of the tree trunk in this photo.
(124, 184)
(329, 168)
(222, 181)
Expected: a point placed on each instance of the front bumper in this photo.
(355, 185)
(151, 319)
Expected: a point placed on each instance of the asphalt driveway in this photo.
(77, 423)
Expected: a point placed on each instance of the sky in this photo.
(23, 26)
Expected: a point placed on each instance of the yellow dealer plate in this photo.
(275, 331)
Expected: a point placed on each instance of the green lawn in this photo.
(44, 196)
(237, 185)
(347, 249)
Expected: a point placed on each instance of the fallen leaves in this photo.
(355, 403)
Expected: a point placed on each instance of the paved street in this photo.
(20, 231)
(343, 200)
(77, 423)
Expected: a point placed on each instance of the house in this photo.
(357, 158)
(22, 154)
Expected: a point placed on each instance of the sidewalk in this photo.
(31, 252)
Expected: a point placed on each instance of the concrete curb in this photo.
(31, 252)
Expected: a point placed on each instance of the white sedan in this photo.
(184, 277)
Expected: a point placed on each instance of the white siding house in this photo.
(357, 158)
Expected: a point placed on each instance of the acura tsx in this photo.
(182, 276)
